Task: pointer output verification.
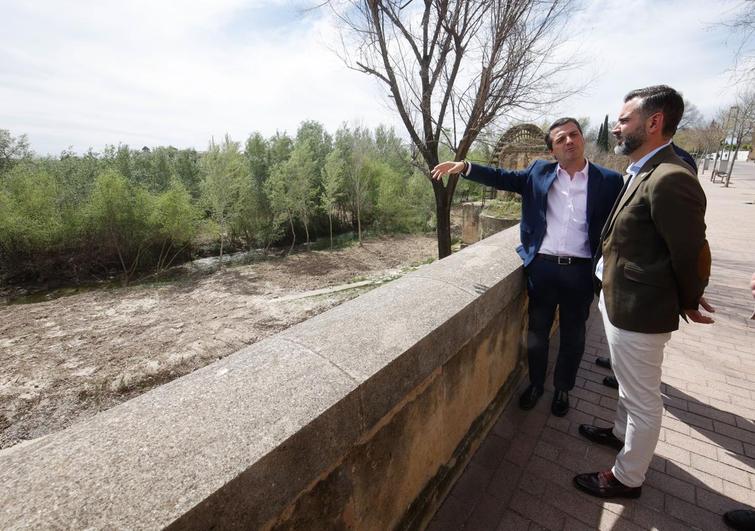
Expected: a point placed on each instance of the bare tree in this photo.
(741, 23)
(691, 118)
(744, 120)
(701, 140)
(452, 67)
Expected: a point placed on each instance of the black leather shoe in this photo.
(603, 362)
(611, 381)
(605, 485)
(602, 436)
(530, 397)
(740, 519)
(560, 404)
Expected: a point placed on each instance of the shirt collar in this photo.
(635, 167)
(583, 171)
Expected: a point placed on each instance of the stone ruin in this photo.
(515, 150)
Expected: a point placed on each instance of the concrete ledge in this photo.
(358, 417)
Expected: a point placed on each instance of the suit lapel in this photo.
(645, 172)
(609, 221)
(594, 181)
(547, 183)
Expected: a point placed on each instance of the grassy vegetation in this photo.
(498, 208)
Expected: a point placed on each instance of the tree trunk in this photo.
(359, 223)
(330, 224)
(731, 163)
(293, 234)
(306, 232)
(443, 215)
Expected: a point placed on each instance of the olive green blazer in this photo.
(656, 260)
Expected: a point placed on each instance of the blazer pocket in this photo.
(635, 273)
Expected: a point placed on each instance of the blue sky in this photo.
(94, 72)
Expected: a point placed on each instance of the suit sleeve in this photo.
(678, 211)
(511, 181)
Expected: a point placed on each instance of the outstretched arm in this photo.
(512, 181)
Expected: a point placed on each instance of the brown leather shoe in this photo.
(602, 436)
(605, 485)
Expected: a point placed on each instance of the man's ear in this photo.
(654, 123)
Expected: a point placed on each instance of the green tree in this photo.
(319, 140)
(291, 188)
(30, 218)
(332, 192)
(256, 220)
(12, 150)
(223, 170)
(175, 221)
(603, 140)
(161, 172)
(280, 146)
(187, 170)
(118, 219)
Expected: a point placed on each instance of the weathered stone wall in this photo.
(470, 222)
(358, 418)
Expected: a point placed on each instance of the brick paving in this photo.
(704, 465)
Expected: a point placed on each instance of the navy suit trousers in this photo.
(570, 288)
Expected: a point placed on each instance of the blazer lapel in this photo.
(594, 181)
(609, 221)
(547, 183)
(645, 172)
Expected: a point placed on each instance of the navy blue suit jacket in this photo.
(603, 187)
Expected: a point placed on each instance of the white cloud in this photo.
(632, 44)
(91, 73)
(147, 74)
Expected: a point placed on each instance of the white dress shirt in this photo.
(566, 215)
(632, 170)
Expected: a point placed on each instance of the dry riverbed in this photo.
(64, 360)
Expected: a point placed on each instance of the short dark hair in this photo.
(660, 98)
(559, 123)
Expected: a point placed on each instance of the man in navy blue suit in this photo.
(564, 207)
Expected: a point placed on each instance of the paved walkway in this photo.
(521, 477)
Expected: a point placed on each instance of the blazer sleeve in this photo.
(511, 181)
(677, 203)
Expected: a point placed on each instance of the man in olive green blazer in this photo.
(654, 267)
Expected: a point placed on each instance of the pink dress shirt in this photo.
(566, 215)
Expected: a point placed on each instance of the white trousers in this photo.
(636, 360)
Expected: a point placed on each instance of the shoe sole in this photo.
(631, 495)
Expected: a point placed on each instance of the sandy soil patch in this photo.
(64, 360)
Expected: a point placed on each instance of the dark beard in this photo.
(631, 142)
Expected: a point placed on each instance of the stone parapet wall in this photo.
(360, 417)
